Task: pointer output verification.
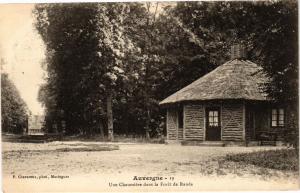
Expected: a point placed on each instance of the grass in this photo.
(89, 148)
(117, 138)
(83, 138)
(72, 148)
(284, 159)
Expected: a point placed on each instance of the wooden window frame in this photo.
(277, 117)
(208, 109)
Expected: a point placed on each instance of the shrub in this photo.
(285, 159)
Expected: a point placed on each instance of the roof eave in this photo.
(163, 103)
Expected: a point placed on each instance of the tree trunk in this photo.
(101, 129)
(148, 124)
(110, 127)
(148, 66)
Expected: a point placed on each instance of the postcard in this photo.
(149, 96)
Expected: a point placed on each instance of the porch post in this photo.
(244, 121)
(176, 110)
(204, 121)
(183, 132)
(167, 127)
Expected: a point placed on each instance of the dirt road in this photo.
(42, 167)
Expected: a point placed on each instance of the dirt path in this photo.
(199, 166)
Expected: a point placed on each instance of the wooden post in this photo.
(204, 121)
(244, 121)
(221, 114)
(183, 131)
(167, 125)
(110, 118)
(176, 110)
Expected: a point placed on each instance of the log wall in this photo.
(263, 122)
(180, 133)
(194, 122)
(262, 119)
(232, 120)
(172, 124)
(250, 123)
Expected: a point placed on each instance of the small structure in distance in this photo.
(35, 125)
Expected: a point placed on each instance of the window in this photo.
(213, 118)
(180, 118)
(277, 117)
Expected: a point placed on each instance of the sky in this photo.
(22, 50)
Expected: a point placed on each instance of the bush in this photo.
(285, 159)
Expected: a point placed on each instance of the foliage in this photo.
(13, 109)
(139, 56)
(266, 28)
(85, 62)
(269, 31)
(284, 159)
(68, 54)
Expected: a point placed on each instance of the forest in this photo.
(110, 64)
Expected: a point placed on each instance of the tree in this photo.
(114, 45)
(69, 34)
(264, 27)
(14, 112)
(269, 31)
(84, 63)
(112, 63)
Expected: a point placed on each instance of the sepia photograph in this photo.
(178, 96)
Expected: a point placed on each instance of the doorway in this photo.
(213, 124)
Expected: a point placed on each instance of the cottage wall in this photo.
(172, 124)
(263, 122)
(232, 120)
(236, 122)
(250, 123)
(194, 122)
(262, 119)
(180, 134)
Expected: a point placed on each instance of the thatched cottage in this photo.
(226, 105)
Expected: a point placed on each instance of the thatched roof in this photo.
(236, 79)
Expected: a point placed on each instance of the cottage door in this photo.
(213, 126)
